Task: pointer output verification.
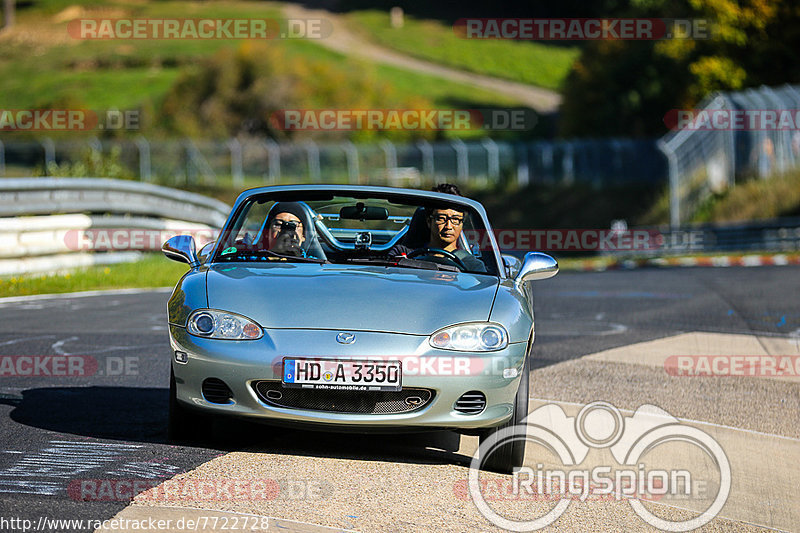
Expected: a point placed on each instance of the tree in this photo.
(626, 87)
(8, 13)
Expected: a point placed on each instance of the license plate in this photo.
(334, 374)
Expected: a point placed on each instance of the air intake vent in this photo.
(471, 403)
(344, 401)
(216, 391)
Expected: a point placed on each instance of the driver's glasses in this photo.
(441, 220)
(287, 225)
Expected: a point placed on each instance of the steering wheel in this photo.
(448, 255)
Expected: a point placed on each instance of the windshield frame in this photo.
(397, 195)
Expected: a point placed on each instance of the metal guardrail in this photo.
(262, 161)
(40, 196)
(705, 160)
(781, 235)
(98, 221)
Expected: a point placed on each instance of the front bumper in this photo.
(240, 364)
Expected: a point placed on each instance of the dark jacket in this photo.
(472, 263)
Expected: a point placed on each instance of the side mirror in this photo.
(536, 266)
(512, 264)
(205, 251)
(181, 248)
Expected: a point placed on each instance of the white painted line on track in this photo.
(81, 294)
(682, 420)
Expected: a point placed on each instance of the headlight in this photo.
(474, 337)
(221, 325)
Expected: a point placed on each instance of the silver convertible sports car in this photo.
(354, 309)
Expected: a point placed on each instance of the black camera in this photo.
(287, 242)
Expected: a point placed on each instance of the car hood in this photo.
(350, 297)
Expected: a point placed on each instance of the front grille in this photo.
(471, 403)
(216, 391)
(343, 401)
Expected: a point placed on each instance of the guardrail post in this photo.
(145, 171)
(236, 162)
(492, 158)
(97, 150)
(462, 159)
(188, 171)
(312, 151)
(568, 164)
(2, 159)
(351, 153)
(274, 154)
(390, 152)
(427, 157)
(674, 196)
(523, 169)
(49, 153)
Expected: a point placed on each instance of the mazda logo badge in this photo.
(345, 338)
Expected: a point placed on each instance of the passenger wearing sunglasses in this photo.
(284, 229)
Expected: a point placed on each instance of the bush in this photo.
(236, 91)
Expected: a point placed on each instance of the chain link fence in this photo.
(250, 162)
(712, 154)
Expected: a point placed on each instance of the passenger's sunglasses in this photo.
(285, 225)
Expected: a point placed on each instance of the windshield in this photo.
(407, 232)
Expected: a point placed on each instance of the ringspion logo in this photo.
(600, 425)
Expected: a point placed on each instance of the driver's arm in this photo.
(399, 250)
(472, 263)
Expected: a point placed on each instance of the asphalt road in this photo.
(108, 422)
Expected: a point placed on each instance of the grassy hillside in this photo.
(41, 66)
(534, 63)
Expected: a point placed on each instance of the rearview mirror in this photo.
(536, 266)
(363, 212)
(181, 248)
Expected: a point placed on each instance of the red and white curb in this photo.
(590, 265)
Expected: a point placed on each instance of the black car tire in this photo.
(504, 459)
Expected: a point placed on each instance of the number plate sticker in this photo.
(334, 374)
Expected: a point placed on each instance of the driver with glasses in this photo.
(445, 226)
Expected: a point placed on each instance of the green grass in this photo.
(153, 270)
(533, 63)
(100, 74)
(99, 89)
(753, 199)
